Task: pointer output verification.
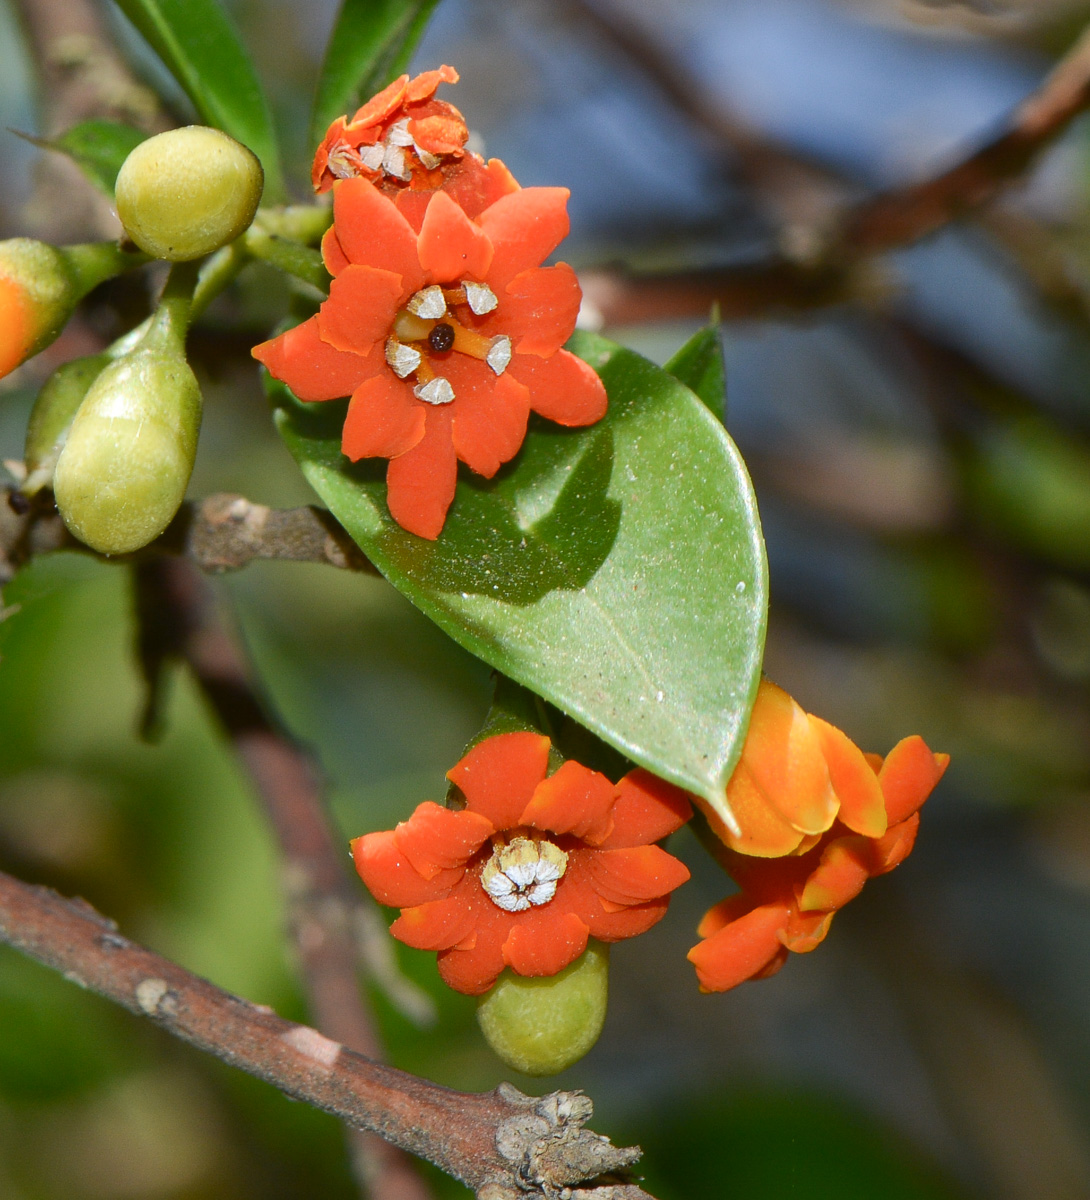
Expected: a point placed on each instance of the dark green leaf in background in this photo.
(699, 365)
(202, 50)
(371, 43)
(98, 147)
(618, 571)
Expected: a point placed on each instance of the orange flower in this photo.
(531, 867)
(402, 135)
(445, 331)
(787, 904)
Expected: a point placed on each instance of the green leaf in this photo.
(201, 48)
(98, 147)
(618, 571)
(371, 43)
(699, 365)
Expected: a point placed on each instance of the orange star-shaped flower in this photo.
(788, 903)
(402, 135)
(445, 331)
(531, 867)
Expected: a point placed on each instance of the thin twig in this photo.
(502, 1144)
(179, 618)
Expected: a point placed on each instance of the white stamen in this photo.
(402, 360)
(427, 159)
(523, 874)
(399, 135)
(435, 391)
(480, 297)
(428, 303)
(499, 353)
(371, 156)
(393, 163)
(342, 160)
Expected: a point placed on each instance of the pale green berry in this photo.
(129, 453)
(540, 1025)
(186, 192)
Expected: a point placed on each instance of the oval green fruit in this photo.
(186, 192)
(129, 453)
(541, 1025)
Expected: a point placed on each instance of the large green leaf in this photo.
(371, 43)
(618, 571)
(98, 147)
(202, 50)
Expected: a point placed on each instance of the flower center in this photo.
(426, 324)
(523, 874)
(389, 156)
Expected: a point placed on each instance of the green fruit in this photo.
(52, 416)
(127, 460)
(541, 1025)
(186, 192)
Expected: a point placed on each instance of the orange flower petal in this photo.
(563, 387)
(435, 838)
(362, 304)
(784, 757)
(764, 832)
(391, 878)
(908, 775)
(438, 925)
(628, 921)
(774, 964)
(384, 419)
(740, 950)
(312, 368)
(805, 931)
(890, 851)
(333, 254)
(575, 800)
(413, 204)
(544, 941)
(525, 227)
(720, 915)
(635, 873)
(474, 969)
(862, 805)
(499, 775)
(537, 310)
(490, 413)
(373, 232)
(839, 876)
(420, 483)
(450, 246)
(646, 810)
(426, 82)
(439, 134)
(475, 185)
(17, 332)
(382, 104)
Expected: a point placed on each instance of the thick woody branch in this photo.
(502, 1144)
(223, 533)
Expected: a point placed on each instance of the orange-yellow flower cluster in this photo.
(818, 818)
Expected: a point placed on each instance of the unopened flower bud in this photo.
(52, 416)
(126, 462)
(540, 1025)
(186, 192)
(40, 285)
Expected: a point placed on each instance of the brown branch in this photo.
(827, 255)
(178, 618)
(502, 1144)
(223, 533)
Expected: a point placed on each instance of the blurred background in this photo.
(919, 444)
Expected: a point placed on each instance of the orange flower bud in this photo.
(40, 285)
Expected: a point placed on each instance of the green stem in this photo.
(300, 222)
(93, 263)
(171, 319)
(289, 256)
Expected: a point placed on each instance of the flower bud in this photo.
(52, 416)
(126, 462)
(40, 285)
(186, 192)
(540, 1025)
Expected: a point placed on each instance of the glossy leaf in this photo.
(202, 50)
(699, 365)
(618, 571)
(371, 43)
(98, 148)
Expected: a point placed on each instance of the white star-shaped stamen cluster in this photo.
(523, 874)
